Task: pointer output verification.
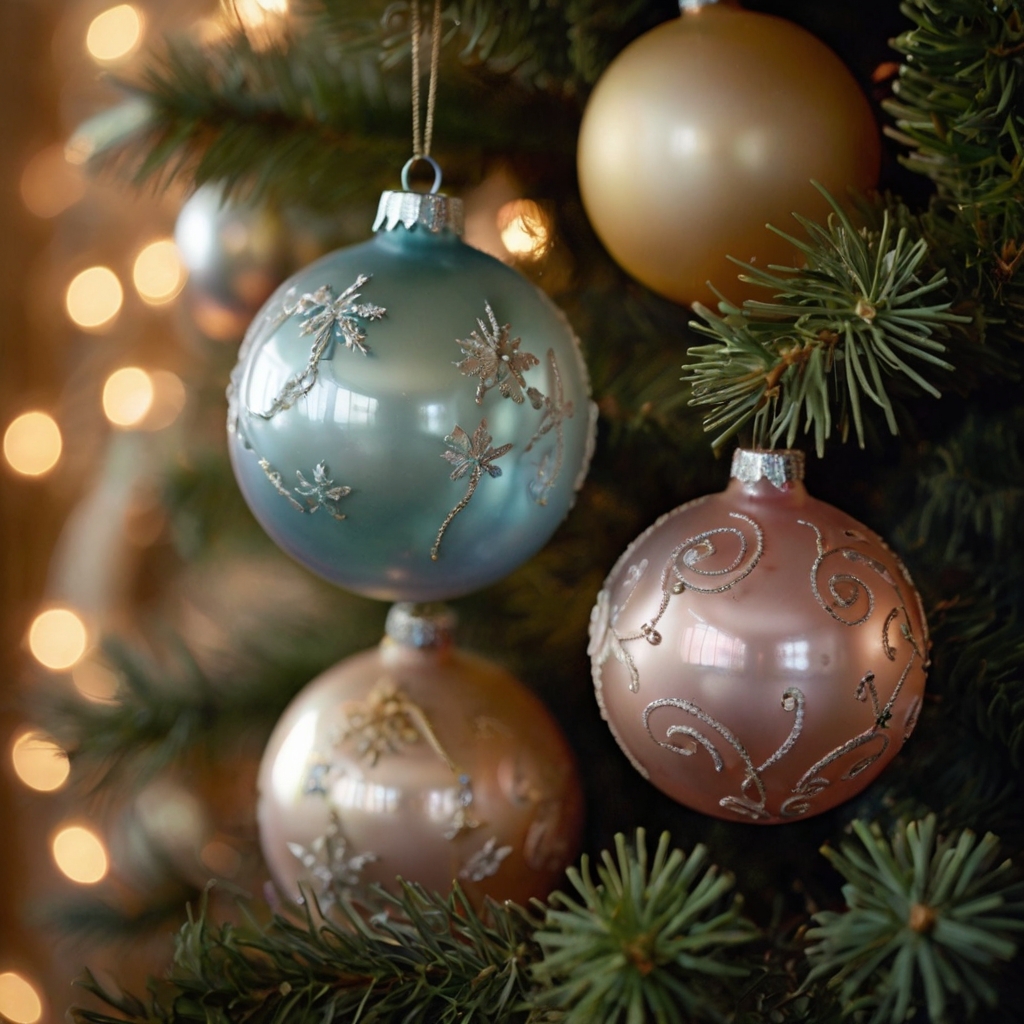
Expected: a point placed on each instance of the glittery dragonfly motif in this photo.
(327, 319)
(475, 456)
(331, 866)
(494, 358)
(556, 410)
(321, 492)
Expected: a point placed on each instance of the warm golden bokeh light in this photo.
(39, 762)
(262, 20)
(32, 443)
(57, 638)
(168, 400)
(524, 229)
(49, 184)
(94, 298)
(158, 272)
(114, 34)
(80, 854)
(94, 680)
(19, 1001)
(127, 396)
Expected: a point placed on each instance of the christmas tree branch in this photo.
(656, 934)
(859, 312)
(555, 47)
(959, 108)
(303, 123)
(928, 922)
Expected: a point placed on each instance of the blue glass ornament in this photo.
(409, 417)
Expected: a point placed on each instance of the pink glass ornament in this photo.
(758, 654)
(420, 760)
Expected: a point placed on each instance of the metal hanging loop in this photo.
(411, 162)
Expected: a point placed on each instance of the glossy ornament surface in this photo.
(705, 129)
(236, 255)
(759, 654)
(419, 760)
(409, 417)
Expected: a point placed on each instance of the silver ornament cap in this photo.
(782, 468)
(433, 211)
(421, 625)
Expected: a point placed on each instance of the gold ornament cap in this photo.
(422, 626)
(781, 468)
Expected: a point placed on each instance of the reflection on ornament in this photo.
(382, 411)
(707, 128)
(765, 669)
(332, 319)
(416, 759)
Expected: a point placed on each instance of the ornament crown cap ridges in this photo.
(781, 468)
(420, 625)
(694, 5)
(431, 210)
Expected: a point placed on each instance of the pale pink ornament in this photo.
(758, 654)
(416, 759)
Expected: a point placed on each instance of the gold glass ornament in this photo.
(758, 654)
(707, 128)
(420, 760)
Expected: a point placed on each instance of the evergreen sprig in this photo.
(304, 123)
(834, 332)
(417, 957)
(928, 921)
(643, 942)
(959, 108)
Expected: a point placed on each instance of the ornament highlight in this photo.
(418, 760)
(430, 403)
(705, 129)
(758, 654)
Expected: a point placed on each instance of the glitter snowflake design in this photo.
(321, 492)
(475, 456)
(485, 862)
(330, 865)
(327, 319)
(494, 358)
(462, 820)
(556, 410)
(384, 723)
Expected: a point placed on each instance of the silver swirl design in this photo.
(744, 804)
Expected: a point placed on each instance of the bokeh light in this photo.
(94, 680)
(169, 397)
(80, 854)
(49, 184)
(94, 298)
(39, 762)
(114, 34)
(221, 858)
(158, 272)
(127, 396)
(32, 443)
(263, 21)
(19, 1001)
(524, 228)
(57, 638)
